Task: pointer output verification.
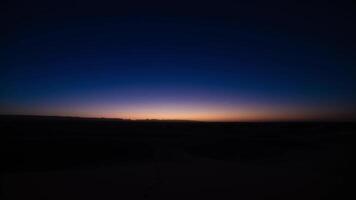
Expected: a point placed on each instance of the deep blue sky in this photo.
(249, 66)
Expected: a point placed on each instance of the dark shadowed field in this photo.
(73, 158)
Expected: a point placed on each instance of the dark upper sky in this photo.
(194, 60)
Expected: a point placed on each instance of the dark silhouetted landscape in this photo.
(93, 158)
(175, 100)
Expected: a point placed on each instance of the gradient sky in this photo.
(285, 65)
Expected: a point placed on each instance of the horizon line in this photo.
(177, 120)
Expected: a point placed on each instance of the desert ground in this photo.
(80, 158)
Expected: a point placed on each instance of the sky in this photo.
(217, 62)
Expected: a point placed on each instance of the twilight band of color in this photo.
(173, 68)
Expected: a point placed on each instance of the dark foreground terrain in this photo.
(74, 158)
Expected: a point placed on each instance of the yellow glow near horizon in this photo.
(198, 112)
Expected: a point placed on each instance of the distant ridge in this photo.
(92, 118)
(19, 116)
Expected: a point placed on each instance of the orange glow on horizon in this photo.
(197, 112)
